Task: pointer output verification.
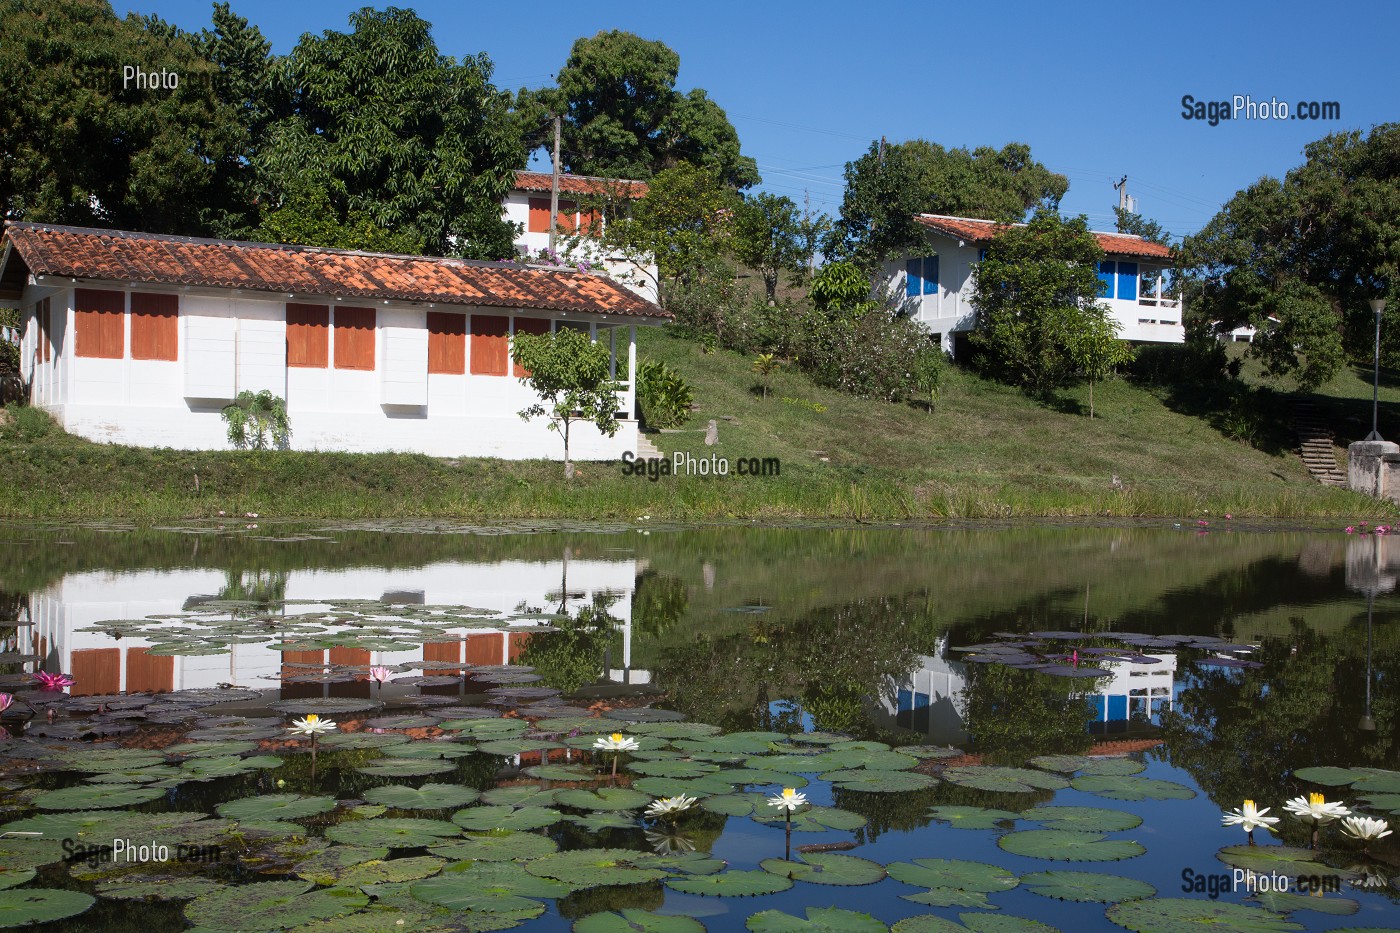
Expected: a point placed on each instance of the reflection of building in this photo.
(102, 663)
(1373, 564)
(1135, 693)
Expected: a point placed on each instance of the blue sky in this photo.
(1095, 88)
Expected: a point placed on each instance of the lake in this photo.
(1011, 727)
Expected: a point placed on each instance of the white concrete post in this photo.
(632, 371)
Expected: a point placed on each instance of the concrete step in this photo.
(646, 450)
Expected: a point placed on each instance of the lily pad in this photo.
(1004, 780)
(406, 767)
(1283, 860)
(391, 871)
(1121, 787)
(519, 796)
(1086, 886)
(165, 889)
(1068, 846)
(635, 920)
(385, 740)
(818, 920)
(96, 797)
(497, 846)
(1177, 914)
(14, 877)
(501, 817)
(24, 906)
(674, 769)
(405, 833)
(605, 798)
(1004, 923)
(270, 905)
(601, 820)
(827, 868)
(488, 887)
(1328, 776)
(1065, 764)
(427, 797)
(275, 807)
(1083, 819)
(561, 772)
(952, 882)
(1286, 901)
(327, 865)
(706, 786)
(587, 868)
(879, 782)
(972, 817)
(730, 884)
(927, 923)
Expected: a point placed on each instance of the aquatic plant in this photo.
(49, 681)
(668, 808)
(1365, 828)
(1314, 809)
(1249, 817)
(616, 743)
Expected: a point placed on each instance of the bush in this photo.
(663, 395)
(255, 420)
(1170, 363)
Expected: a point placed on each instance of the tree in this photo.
(84, 144)
(309, 218)
(1097, 351)
(623, 116)
(768, 238)
(1298, 259)
(890, 184)
(1127, 221)
(569, 373)
(390, 129)
(1036, 297)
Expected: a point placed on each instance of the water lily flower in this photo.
(669, 807)
(617, 742)
(1351, 529)
(1202, 522)
(5, 701)
(49, 681)
(250, 514)
(789, 800)
(1249, 817)
(312, 725)
(1314, 809)
(379, 674)
(1229, 517)
(1365, 828)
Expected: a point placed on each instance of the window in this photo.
(99, 321)
(539, 215)
(447, 343)
(354, 338)
(154, 330)
(1107, 272)
(490, 345)
(568, 216)
(528, 325)
(1127, 281)
(308, 335)
(921, 277)
(43, 336)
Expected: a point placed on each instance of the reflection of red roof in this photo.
(581, 185)
(982, 231)
(121, 256)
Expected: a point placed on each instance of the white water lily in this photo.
(1249, 817)
(617, 742)
(789, 800)
(670, 806)
(312, 725)
(1365, 828)
(1314, 809)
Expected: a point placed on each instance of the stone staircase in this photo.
(1315, 445)
(646, 450)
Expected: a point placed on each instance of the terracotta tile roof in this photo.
(122, 256)
(982, 231)
(581, 184)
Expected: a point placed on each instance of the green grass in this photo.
(986, 451)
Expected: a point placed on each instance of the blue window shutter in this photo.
(981, 254)
(1106, 269)
(931, 275)
(1128, 281)
(912, 282)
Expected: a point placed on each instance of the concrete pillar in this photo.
(1366, 468)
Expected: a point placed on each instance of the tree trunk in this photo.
(1091, 400)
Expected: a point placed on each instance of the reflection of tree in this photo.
(1014, 714)
(573, 656)
(658, 602)
(612, 897)
(259, 586)
(1240, 733)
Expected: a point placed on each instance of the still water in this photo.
(1193, 666)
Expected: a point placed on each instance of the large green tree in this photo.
(888, 185)
(1298, 258)
(768, 238)
(84, 144)
(414, 141)
(624, 118)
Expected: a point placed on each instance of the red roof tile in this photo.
(982, 231)
(581, 185)
(122, 256)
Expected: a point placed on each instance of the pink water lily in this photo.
(5, 701)
(53, 681)
(379, 674)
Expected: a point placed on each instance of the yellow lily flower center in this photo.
(789, 793)
(1316, 799)
(1249, 806)
(617, 736)
(312, 719)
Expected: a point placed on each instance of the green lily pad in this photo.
(1128, 787)
(209, 769)
(14, 877)
(1178, 914)
(394, 870)
(384, 740)
(96, 797)
(406, 767)
(675, 730)
(275, 807)
(430, 751)
(739, 743)
(1086, 886)
(561, 772)
(635, 920)
(673, 769)
(1004, 780)
(1286, 901)
(497, 846)
(406, 833)
(1113, 766)
(818, 920)
(166, 889)
(1065, 764)
(706, 786)
(730, 884)
(827, 868)
(758, 776)
(601, 820)
(486, 729)
(328, 864)
(519, 796)
(1387, 802)
(927, 923)
(947, 876)
(1328, 776)
(427, 797)
(1084, 819)
(516, 746)
(605, 798)
(1283, 860)
(24, 906)
(1004, 923)
(1376, 781)
(587, 868)
(516, 818)
(879, 782)
(488, 887)
(270, 905)
(1068, 846)
(972, 817)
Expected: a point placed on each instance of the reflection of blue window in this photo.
(1127, 281)
(981, 254)
(1106, 273)
(910, 701)
(921, 277)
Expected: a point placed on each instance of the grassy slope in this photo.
(986, 451)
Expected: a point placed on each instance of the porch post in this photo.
(612, 353)
(632, 371)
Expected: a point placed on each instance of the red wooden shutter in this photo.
(354, 338)
(490, 345)
(307, 335)
(147, 673)
(96, 671)
(154, 329)
(99, 322)
(539, 215)
(528, 325)
(568, 216)
(447, 343)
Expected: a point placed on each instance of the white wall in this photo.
(640, 276)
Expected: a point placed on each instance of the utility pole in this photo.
(554, 189)
(1121, 186)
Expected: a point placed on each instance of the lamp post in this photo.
(1368, 724)
(1378, 307)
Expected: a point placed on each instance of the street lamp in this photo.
(1378, 307)
(1367, 723)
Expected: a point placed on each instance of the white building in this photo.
(937, 286)
(585, 205)
(142, 339)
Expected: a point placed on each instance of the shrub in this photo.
(663, 395)
(255, 420)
